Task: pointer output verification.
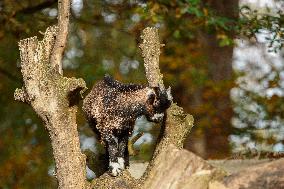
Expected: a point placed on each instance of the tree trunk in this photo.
(219, 66)
(54, 98)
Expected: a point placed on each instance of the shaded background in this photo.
(223, 60)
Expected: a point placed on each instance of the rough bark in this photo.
(181, 169)
(150, 48)
(173, 132)
(54, 98)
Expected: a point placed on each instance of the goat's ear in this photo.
(169, 94)
(150, 96)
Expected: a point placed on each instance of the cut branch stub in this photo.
(150, 48)
(35, 64)
(21, 95)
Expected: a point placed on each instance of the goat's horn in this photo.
(169, 94)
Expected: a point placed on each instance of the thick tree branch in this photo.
(61, 38)
(177, 168)
(150, 48)
(48, 93)
(54, 98)
(177, 123)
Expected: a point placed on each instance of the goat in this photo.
(111, 109)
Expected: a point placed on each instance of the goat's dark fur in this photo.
(112, 108)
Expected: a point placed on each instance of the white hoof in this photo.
(115, 169)
(121, 163)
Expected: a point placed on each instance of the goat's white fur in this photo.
(115, 168)
(121, 162)
(158, 116)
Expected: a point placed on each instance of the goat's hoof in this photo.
(121, 162)
(115, 169)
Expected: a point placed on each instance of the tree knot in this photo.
(22, 95)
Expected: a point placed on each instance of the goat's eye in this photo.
(151, 99)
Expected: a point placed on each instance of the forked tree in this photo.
(54, 98)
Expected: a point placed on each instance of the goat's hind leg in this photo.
(123, 156)
(112, 148)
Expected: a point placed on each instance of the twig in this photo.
(131, 143)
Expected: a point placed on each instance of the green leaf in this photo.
(195, 11)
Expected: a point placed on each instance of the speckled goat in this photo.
(111, 109)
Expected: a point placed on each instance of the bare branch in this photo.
(21, 95)
(131, 143)
(177, 124)
(150, 48)
(61, 38)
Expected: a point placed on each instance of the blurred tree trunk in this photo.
(217, 121)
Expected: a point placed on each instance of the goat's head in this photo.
(158, 101)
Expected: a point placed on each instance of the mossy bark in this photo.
(54, 97)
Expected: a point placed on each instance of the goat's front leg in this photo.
(123, 155)
(113, 149)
